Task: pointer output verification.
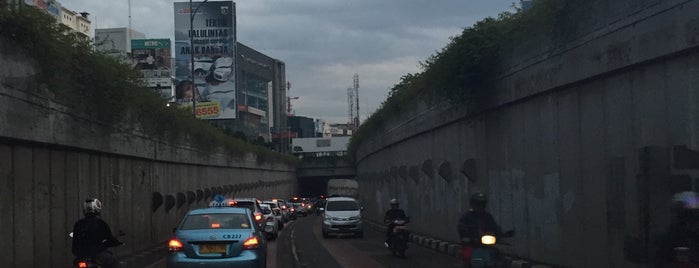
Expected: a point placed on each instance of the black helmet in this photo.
(479, 200)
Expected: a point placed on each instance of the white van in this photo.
(342, 215)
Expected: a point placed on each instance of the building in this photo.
(304, 127)
(261, 94)
(78, 22)
(116, 42)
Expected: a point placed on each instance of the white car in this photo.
(277, 213)
(342, 215)
(271, 225)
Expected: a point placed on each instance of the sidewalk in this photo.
(451, 248)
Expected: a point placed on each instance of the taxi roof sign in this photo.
(220, 201)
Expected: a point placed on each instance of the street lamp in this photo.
(191, 54)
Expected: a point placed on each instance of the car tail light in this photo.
(215, 225)
(175, 245)
(82, 264)
(292, 209)
(251, 243)
(258, 217)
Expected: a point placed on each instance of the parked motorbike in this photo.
(486, 255)
(399, 238)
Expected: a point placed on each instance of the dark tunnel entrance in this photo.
(313, 187)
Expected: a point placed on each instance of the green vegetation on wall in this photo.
(465, 70)
(92, 83)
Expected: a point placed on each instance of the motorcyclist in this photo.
(92, 236)
(679, 247)
(475, 222)
(392, 214)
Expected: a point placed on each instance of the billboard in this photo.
(212, 81)
(152, 57)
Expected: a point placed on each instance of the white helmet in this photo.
(394, 201)
(222, 68)
(92, 206)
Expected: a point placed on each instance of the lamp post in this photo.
(191, 54)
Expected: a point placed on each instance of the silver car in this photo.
(342, 215)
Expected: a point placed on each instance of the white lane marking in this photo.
(293, 247)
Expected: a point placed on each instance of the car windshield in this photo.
(216, 221)
(342, 206)
(247, 204)
(271, 205)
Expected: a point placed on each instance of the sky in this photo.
(324, 42)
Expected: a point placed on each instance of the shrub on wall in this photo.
(465, 70)
(92, 83)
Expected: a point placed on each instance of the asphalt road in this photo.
(300, 245)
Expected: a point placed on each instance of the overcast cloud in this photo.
(324, 42)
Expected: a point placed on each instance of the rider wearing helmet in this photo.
(392, 214)
(475, 222)
(680, 244)
(92, 236)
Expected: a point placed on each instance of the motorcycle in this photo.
(399, 237)
(89, 262)
(486, 255)
(683, 257)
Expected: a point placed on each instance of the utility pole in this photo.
(356, 98)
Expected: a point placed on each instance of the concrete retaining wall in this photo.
(52, 158)
(580, 147)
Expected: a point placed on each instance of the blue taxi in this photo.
(221, 235)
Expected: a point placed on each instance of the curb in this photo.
(453, 249)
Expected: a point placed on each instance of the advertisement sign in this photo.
(213, 47)
(152, 57)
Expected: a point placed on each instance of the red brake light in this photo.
(175, 245)
(258, 217)
(82, 264)
(215, 225)
(251, 243)
(232, 203)
(292, 209)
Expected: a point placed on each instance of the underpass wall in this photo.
(580, 147)
(53, 158)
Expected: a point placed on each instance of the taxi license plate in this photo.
(212, 248)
